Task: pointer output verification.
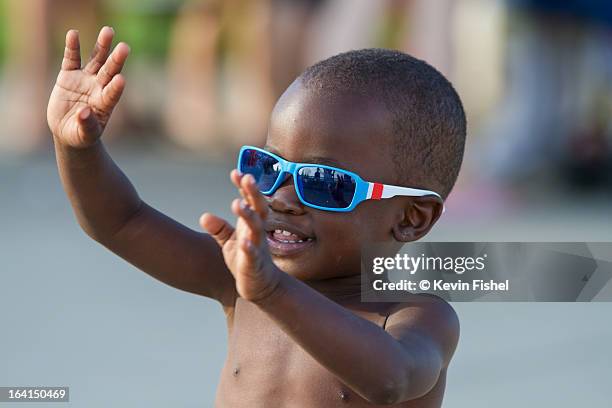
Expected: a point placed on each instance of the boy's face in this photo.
(349, 132)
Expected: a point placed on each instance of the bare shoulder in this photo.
(426, 319)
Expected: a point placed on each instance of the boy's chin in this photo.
(307, 269)
(296, 267)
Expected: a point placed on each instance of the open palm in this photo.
(245, 248)
(83, 98)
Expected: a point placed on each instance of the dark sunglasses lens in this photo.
(262, 166)
(326, 187)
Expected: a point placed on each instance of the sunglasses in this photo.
(318, 186)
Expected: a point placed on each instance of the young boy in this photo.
(288, 275)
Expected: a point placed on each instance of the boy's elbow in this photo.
(97, 234)
(104, 232)
(399, 389)
(387, 393)
(89, 230)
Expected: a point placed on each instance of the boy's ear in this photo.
(417, 217)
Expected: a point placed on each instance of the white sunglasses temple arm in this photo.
(377, 191)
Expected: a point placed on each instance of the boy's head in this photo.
(384, 115)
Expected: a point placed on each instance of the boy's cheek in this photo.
(339, 239)
(345, 232)
(355, 228)
(342, 246)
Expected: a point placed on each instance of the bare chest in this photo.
(266, 368)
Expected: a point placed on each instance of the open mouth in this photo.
(285, 240)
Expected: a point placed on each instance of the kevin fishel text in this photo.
(439, 284)
(476, 284)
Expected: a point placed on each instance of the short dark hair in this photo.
(429, 124)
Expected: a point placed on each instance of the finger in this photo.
(254, 197)
(112, 92)
(254, 255)
(235, 176)
(89, 128)
(250, 249)
(114, 63)
(217, 227)
(252, 220)
(72, 51)
(100, 51)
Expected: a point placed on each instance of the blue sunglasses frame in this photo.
(364, 190)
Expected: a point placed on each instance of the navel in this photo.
(236, 371)
(343, 395)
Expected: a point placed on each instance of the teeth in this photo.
(288, 234)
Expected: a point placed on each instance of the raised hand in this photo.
(83, 98)
(245, 248)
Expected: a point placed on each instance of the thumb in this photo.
(89, 128)
(217, 227)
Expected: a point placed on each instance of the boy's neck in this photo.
(346, 291)
(341, 289)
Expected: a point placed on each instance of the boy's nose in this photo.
(285, 199)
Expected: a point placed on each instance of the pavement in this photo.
(73, 314)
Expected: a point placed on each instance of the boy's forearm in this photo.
(102, 197)
(360, 353)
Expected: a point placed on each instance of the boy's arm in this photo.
(388, 366)
(110, 211)
(104, 201)
(385, 367)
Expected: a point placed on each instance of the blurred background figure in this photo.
(554, 122)
(219, 67)
(23, 80)
(29, 36)
(535, 75)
